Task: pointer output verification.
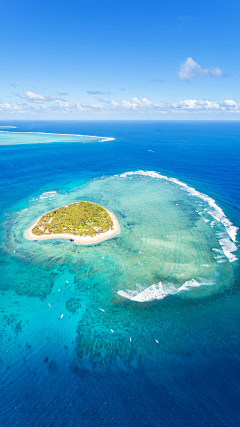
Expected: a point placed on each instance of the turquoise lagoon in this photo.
(174, 243)
(17, 138)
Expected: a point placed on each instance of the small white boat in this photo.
(67, 281)
(14, 252)
(130, 339)
(157, 341)
(49, 305)
(111, 330)
(61, 316)
(59, 290)
(101, 309)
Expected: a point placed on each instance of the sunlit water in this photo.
(141, 329)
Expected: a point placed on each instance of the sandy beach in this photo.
(82, 240)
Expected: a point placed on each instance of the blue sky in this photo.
(120, 60)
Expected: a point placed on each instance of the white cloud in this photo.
(135, 105)
(139, 104)
(31, 96)
(232, 105)
(14, 108)
(67, 106)
(193, 104)
(35, 97)
(190, 69)
(114, 104)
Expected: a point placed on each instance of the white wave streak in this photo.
(228, 247)
(154, 292)
(47, 194)
(215, 211)
(160, 291)
(194, 284)
(7, 127)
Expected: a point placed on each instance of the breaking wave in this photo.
(47, 194)
(160, 291)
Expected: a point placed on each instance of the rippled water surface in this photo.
(143, 328)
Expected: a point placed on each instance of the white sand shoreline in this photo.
(82, 240)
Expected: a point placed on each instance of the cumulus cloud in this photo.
(14, 108)
(67, 106)
(193, 104)
(98, 92)
(190, 69)
(232, 105)
(114, 104)
(134, 105)
(31, 96)
(35, 97)
(139, 104)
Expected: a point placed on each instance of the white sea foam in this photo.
(47, 194)
(194, 284)
(130, 294)
(232, 231)
(154, 292)
(7, 127)
(228, 247)
(160, 291)
(215, 211)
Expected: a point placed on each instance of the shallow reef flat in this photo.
(19, 138)
(170, 255)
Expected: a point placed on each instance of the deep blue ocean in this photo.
(182, 364)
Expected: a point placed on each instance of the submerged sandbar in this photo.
(82, 222)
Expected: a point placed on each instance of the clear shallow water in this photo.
(18, 138)
(171, 276)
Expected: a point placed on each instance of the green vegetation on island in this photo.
(78, 219)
